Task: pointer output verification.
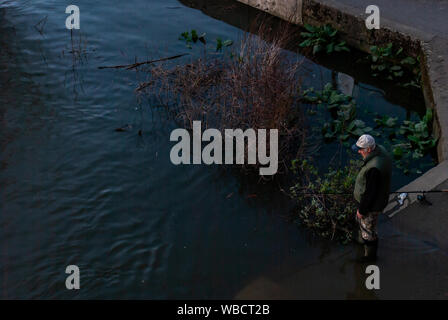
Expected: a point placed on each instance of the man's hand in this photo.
(358, 214)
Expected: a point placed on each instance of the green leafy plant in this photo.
(324, 38)
(344, 124)
(326, 202)
(380, 54)
(383, 61)
(220, 44)
(390, 63)
(418, 134)
(413, 64)
(408, 140)
(192, 37)
(329, 97)
(386, 121)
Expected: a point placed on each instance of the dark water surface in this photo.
(75, 191)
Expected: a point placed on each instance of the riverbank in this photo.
(420, 28)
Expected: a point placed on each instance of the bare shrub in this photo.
(255, 86)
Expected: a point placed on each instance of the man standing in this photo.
(372, 190)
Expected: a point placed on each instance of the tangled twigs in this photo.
(138, 64)
(144, 85)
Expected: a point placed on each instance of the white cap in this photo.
(365, 141)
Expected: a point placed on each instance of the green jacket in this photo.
(380, 159)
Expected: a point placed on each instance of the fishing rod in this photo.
(429, 191)
(393, 192)
(402, 195)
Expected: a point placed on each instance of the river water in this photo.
(75, 191)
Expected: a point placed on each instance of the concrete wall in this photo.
(290, 10)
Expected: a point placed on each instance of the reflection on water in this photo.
(75, 191)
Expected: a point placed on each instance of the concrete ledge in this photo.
(436, 87)
(427, 222)
(429, 181)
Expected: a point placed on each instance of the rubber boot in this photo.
(370, 250)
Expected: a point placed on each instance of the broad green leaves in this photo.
(388, 63)
(193, 37)
(408, 140)
(343, 108)
(322, 39)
